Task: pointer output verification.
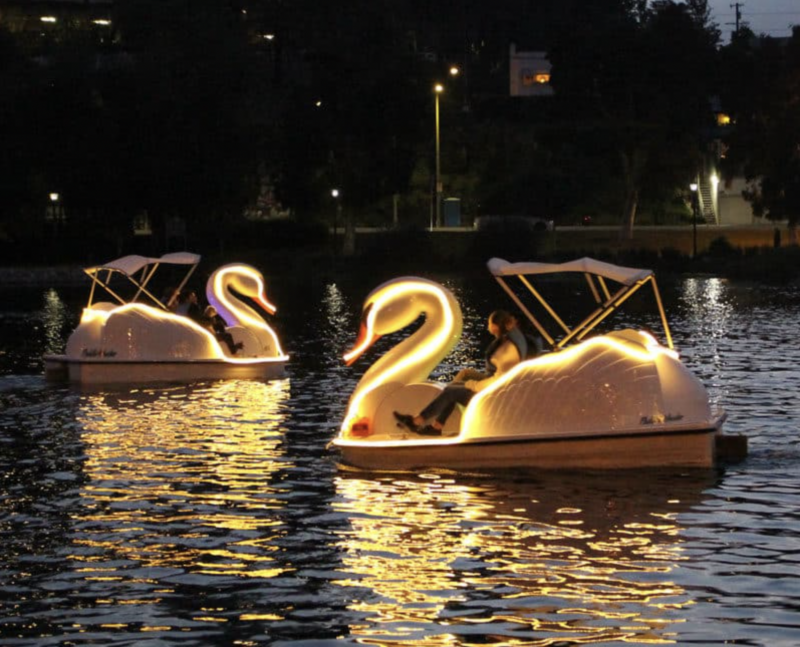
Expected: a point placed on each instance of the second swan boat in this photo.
(136, 339)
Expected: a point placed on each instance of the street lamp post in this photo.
(693, 187)
(54, 211)
(438, 89)
(337, 211)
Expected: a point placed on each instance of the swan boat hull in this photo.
(99, 371)
(614, 450)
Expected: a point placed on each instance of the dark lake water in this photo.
(214, 514)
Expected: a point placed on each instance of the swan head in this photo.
(244, 279)
(397, 304)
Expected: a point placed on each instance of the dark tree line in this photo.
(194, 102)
(763, 92)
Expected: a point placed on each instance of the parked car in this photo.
(512, 222)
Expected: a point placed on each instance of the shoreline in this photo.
(741, 251)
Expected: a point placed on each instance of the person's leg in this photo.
(470, 374)
(438, 409)
(443, 404)
(227, 338)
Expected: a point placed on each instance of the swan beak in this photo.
(363, 342)
(271, 309)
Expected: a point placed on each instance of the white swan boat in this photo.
(616, 400)
(134, 338)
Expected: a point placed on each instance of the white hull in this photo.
(653, 448)
(103, 371)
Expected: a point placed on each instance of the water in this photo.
(214, 513)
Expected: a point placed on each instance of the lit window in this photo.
(723, 119)
(535, 78)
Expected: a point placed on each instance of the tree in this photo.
(189, 109)
(763, 92)
(356, 106)
(641, 78)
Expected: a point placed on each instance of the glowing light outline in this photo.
(565, 356)
(438, 340)
(90, 315)
(220, 293)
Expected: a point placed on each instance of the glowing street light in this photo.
(437, 90)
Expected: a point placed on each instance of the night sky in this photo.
(770, 17)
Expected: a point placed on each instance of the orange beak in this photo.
(271, 309)
(364, 340)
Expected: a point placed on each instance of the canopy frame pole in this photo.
(592, 321)
(146, 276)
(91, 292)
(601, 280)
(544, 303)
(593, 288)
(183, 283)
(619, 298)
(657, 295)
(105, 285)
(142, 283)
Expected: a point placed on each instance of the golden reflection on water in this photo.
(511, 562)
(54, 318)
(180, 477)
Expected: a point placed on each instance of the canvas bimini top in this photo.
(143, 266)
(598, 274)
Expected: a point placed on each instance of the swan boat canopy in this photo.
(128, 335)
(614, 400)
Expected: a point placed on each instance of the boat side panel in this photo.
(690, 449)
(140, 372)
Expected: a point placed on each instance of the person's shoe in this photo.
(405, 420)
(429, 430)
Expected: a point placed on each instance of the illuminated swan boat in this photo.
(610, 401)
(137, 339)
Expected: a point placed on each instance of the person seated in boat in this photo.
(216, 324)
(188, 306)
(170, 298)
(508, 348)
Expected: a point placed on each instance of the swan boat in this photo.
(135, 338)
(614, 400)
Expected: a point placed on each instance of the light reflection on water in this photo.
(518, 561)
(183, 457)
(213, 513)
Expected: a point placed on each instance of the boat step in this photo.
(731, 449)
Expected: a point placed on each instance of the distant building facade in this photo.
(529, 73)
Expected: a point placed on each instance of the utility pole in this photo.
(737, 7)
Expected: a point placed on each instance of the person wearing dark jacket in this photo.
(508, 348)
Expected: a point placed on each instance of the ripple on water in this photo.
(213, 513)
